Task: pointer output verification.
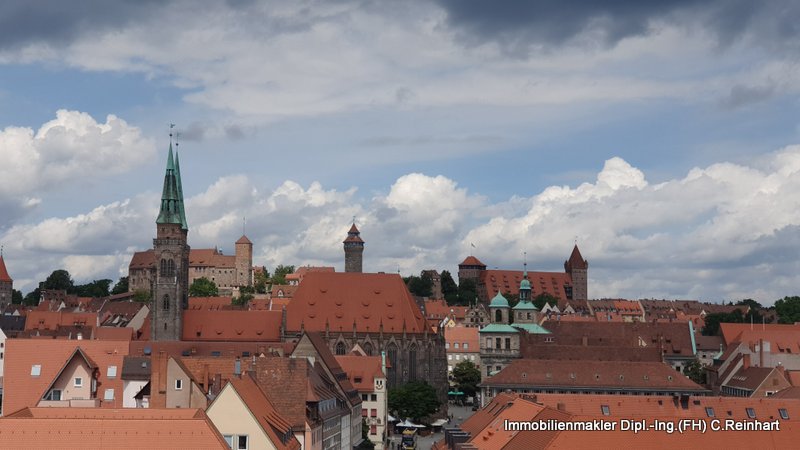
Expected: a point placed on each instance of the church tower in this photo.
(170, 295)
(244, 262)
(353, 250)
(525, 312)
(578, 269)
(6, 283)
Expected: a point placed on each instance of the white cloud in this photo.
(70, 149)
(726, 231)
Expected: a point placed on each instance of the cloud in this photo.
(741, 95)
(72, 148)
(523, 26)
(722, 232)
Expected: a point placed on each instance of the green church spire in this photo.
(171, 196)
(180, 189)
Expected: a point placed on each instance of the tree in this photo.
(121, 287)
(261, 280)
(203, 287)
(32, 298)
(788, 309)
(467, 292)
(97, 288)
(242, 299)
(141, 295)
(279, 277)
(467, 376)
(695, 371)
(415, 400)
(544, 298)
(712, 321)
(749, 302)
(449, 288)
(16, 297)
(59, 280)
(419, 286)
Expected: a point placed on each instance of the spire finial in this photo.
(576, 240)
(177, 136)
(525, 264)
(171, 126)
(244, 225)
(354, 220)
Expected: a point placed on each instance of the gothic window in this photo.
(412, 363)
(367, 348)
(165, 303)
(498, 316)
(167, 268)
(392, 353)
(340, 348)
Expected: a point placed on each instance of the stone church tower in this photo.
(353, 250)
(578, 269)
(170, 294)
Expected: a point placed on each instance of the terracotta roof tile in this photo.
(472, 261)
(270, 420)
(93, 428)
(361, 370)
(345, 300)
(507, 282)
(439, 309)
(244, 240)
(231, 325)
(462, 335)
(4, 276)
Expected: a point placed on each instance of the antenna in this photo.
(354, 220)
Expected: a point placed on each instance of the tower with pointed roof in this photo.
(578, 270)
(525, 312)
(244, 261)
(6, 283)
(353, 250)
(170, 293)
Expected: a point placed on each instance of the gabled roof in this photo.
(439, 309)
(344, 301)
(244, 240)
(50, 320)
(4, 272)
(461, 335)
(264, 412)
(22, 389)
(361, 371)
(96, 428)
(508, 281)
(231, 325)
(771, 332)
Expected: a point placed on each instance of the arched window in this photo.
(367, 348)
(171, 268)
(165, 303)
(498, 316)
(340, 348)
(163, 271)
(392, 355)
(412, 363)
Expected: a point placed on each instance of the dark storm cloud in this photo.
(59, 22)
(520, 25)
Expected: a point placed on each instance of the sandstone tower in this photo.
(6, 283)
(244, 261)
(353, 250)
(170, 293)
(578, 269)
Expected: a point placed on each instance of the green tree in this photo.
(32, 298)
(121, 287)
(416, 400)
(467, 292)
(279, 277)
(544, 298)
(141, 295)
(203, 287)
(467, 376)
(712, 321)
(365, 444)
(261, 280)
(695, 371)
(242, 299)
(97, 288)
(59, 280)
(419, 286)
(788, 309)
(449, 288)
(16, 297)
(749, 302)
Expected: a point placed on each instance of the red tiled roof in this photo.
(289, 383)
(113, 333)
(472, 261)
(439, 309)
(507, 281)
(204, 257)
(93, 428)
(593, 353)
(50, 320)
(22, 389)
(231, 325)
(347, 300)
(244, 240)
(210, 302)
(575, 260)
(462, 335)
(273, 424)
(4, 276)
(361, 370)
(591, 374)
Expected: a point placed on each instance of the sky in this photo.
(662, 137)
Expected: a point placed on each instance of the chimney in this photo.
(560, 406)
(761, 353)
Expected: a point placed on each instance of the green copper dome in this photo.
(498, 301)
